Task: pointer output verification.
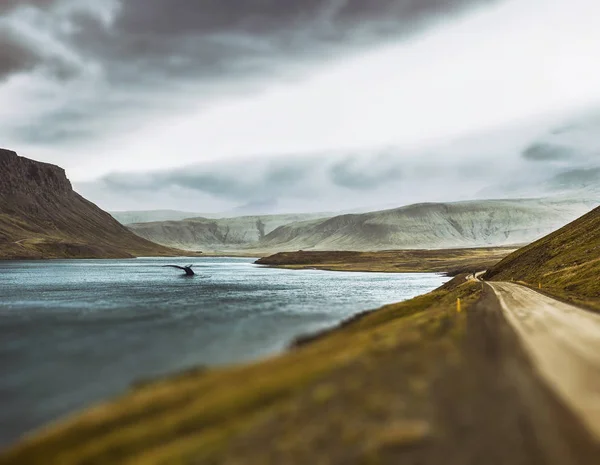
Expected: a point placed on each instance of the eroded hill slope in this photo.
(480, 223)
(216, 234)
(435, 225)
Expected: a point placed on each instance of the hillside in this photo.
(566, 263)
(424, 226)
(42, 217)
(150, 216)
(216, 234)
(435, 225)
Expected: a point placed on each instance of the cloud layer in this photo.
(314, 104)
(146, 53)
(562, 159)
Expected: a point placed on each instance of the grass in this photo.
(451, 261)
(566, 264)
(205, 416)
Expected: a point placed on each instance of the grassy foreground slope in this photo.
(357, 392)
(566, 263)
(41, 216)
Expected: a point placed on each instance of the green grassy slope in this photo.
(566, 263)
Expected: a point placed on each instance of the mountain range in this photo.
(477, 223)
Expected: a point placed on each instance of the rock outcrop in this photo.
(41, 216)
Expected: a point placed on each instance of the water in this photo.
(74, 332)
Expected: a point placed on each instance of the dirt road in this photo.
(563, 343)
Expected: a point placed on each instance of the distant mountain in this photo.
(204, 234)
(42, 217)
(435, 225)
(149, 216)
(432, 225)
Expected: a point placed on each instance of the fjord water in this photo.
(73, 332)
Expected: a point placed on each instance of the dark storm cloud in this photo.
(196, 51)
(261, 16)
(6, 5)
(547, 152)
(15, 55)
(213, 37)
(20, 54)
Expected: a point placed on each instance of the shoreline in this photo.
(450, 262)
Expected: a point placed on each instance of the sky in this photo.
(264, 106)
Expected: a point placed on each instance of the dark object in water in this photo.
(188, 269)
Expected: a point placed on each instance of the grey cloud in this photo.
(365, 174)
(55, 132)
(577, 178)
(262, 16)
(243, 181)
(547, 152)
(575, 142)
(271, 179)
(214, 37)
(211, 47)
(19, 54)
(15, 55)
(8, 5)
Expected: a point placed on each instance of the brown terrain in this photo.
(41, 216)
(443, 378)
(450, 261)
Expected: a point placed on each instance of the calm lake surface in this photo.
(73, 332)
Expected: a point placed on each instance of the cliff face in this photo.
(42, 217)
(21, 176)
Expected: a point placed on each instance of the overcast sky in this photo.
(303, 105)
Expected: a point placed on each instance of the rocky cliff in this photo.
(42, 217)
